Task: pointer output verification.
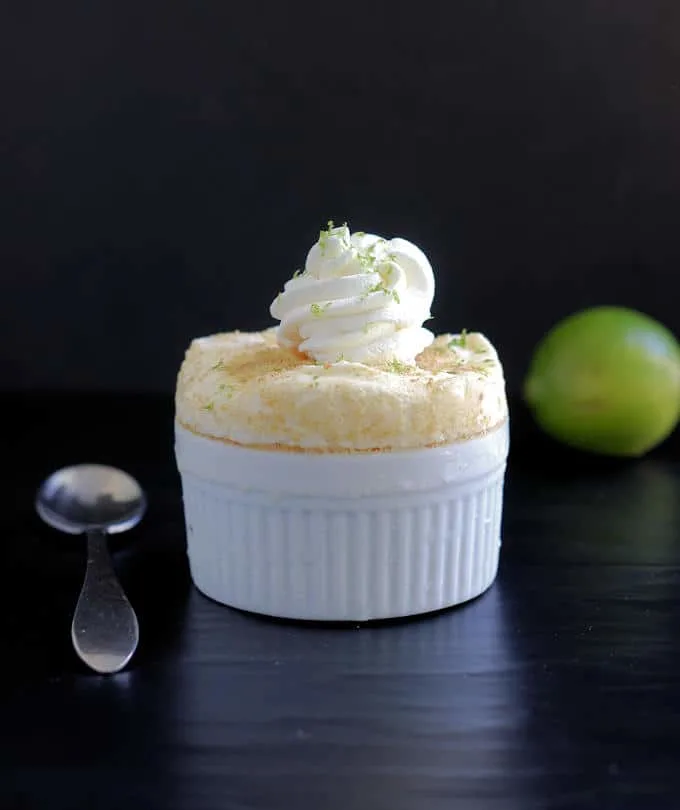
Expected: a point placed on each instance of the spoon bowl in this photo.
(91, 497)
(97, 500)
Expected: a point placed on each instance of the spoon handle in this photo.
(104, 631)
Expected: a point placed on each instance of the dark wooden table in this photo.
(559, 688)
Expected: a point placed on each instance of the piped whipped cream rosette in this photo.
(361, 298)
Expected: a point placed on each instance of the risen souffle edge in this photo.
(242, 387)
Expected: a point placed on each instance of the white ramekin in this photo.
(342, 537)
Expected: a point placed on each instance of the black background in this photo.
(164, 167)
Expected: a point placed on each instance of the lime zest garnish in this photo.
(398, 367)
(380, 287)
(318, 309)
(366, 261)
(483, 367)
(460, 341)
(324, 234)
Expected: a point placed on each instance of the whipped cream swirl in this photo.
(361, 298)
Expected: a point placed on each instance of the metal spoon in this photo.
(97, 500)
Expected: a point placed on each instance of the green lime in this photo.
(606, 380)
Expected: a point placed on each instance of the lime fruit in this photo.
(606, 380)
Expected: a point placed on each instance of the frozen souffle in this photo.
(346, 464)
